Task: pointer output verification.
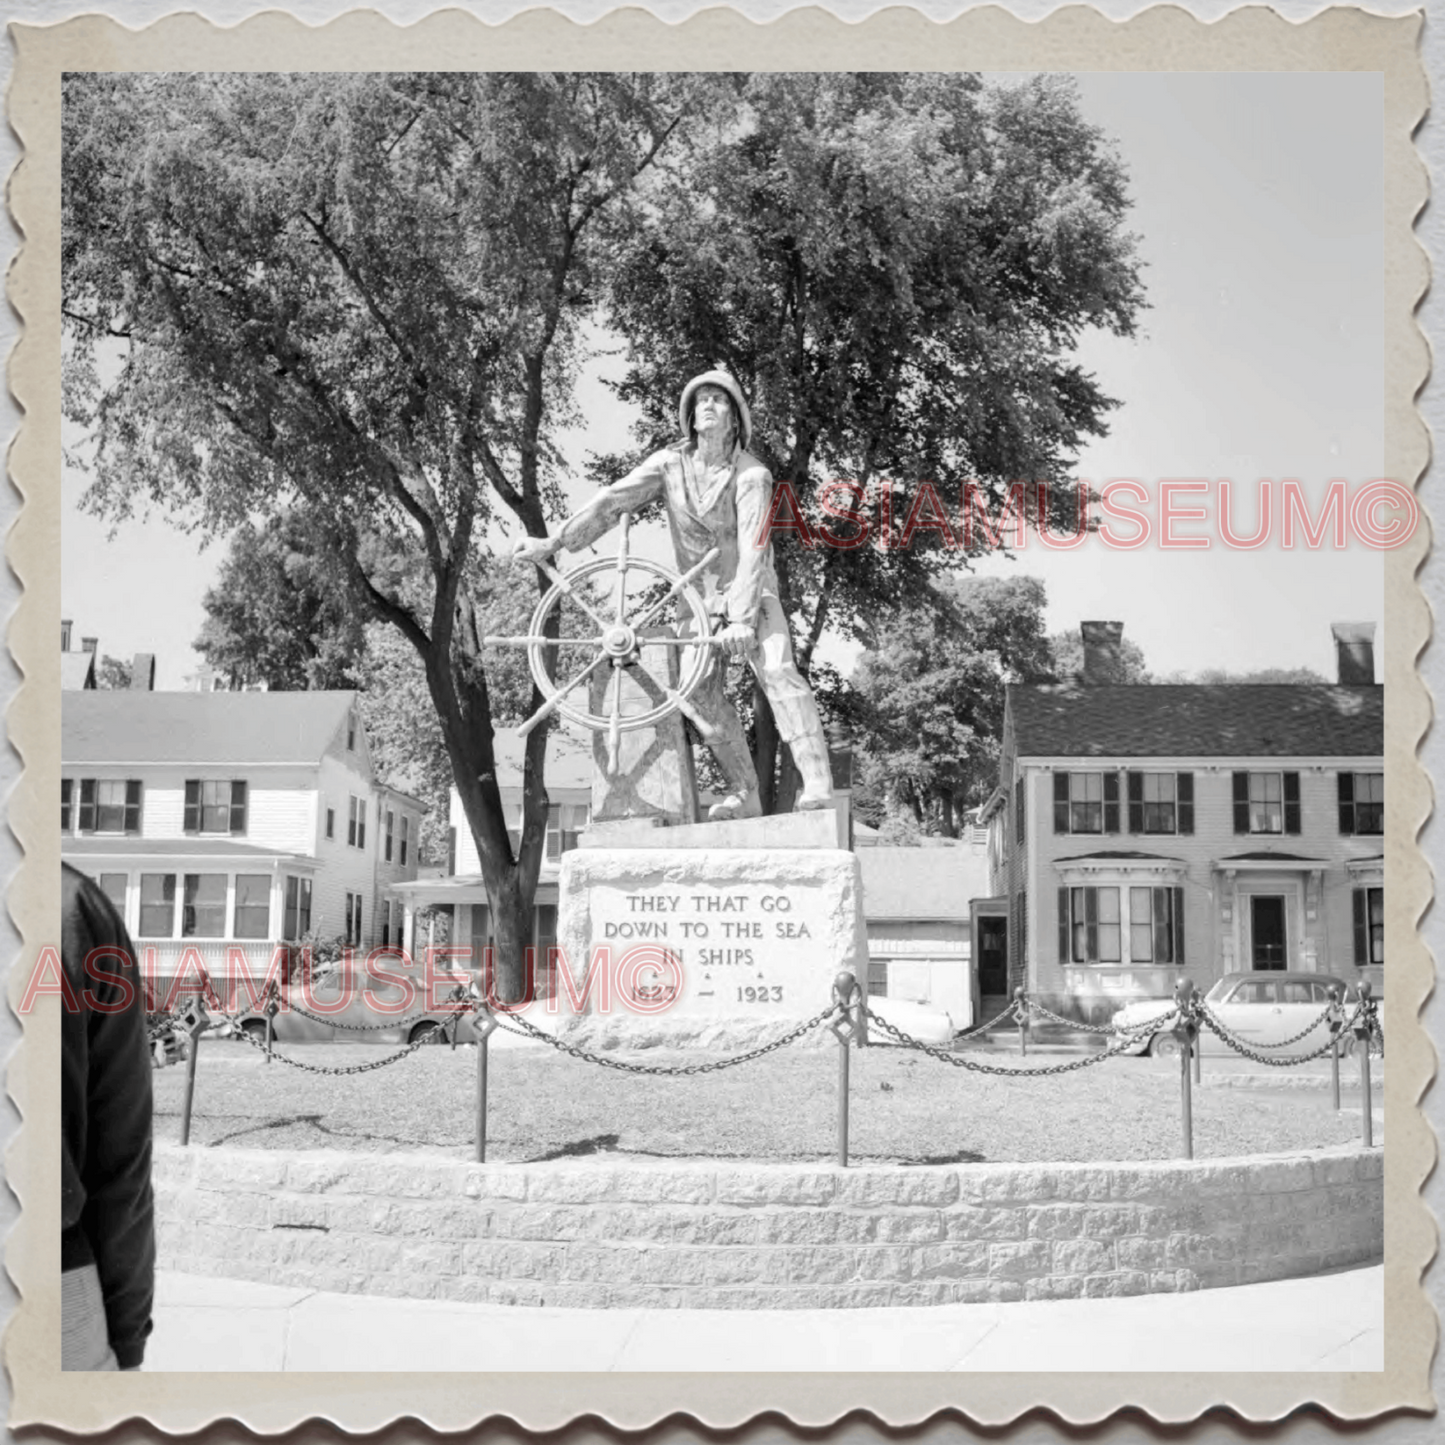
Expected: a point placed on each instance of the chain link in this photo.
(1010, 1012)
(1244, 1049)
(370, 1028)
(1150, 1026)
(411, 1048)
(676, 1070)
(962, 1061)
(1216, 1024)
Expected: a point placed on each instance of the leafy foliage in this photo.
(112, 674)
(927, 702)
(357, 297)
(275, 616)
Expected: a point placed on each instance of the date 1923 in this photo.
(763, 993)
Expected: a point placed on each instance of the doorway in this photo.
(1267, 933)
(992, 956)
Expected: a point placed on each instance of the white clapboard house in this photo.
(247, 819)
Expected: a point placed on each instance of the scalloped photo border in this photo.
(1075, 39)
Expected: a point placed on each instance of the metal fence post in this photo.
(195, 1019)
(483, 1023)
(271, 1010)
(1364, 1028)
(1186, 1031)
(1021, 1013)
(1336, 1024)
(845, 992)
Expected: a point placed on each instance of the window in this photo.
(405, 831)
(298, 908)
(545, 932)
(1362, 802)
(564, 822)
(113, 886)
(356, 822)
(1161, 802)
(386, 924)
(331, 822)
(390, 830)
(877, 978)
(109, 806)
(253, 905)
(1266, 803)
(1156, 925)
(353, 919)
(215, 806)
(203, 906)
(157, 905)
(1020, 834)
(1093, 922)
(351, 732)
(67, 789)
(1369, 926)
(1086, 802)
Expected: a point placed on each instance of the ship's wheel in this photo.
(589, 639)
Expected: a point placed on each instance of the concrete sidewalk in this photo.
(1330, 1323)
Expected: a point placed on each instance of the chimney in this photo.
(143, 672)
(65, 625)
(1102, 663)
(1355, 653)
(89, 644)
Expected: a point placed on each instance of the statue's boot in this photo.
(729, 747)
(809, 748)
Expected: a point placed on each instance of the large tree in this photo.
(357, 297)
(897, 267)
(275, 616)
(925, 706)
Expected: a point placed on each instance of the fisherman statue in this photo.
(718, 498)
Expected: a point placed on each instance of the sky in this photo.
(1257, 203)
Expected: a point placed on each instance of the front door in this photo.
(1267, 943)
(992, 956)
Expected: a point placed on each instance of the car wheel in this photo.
(431, 1033)
(1164, 1046)
(255, 1029)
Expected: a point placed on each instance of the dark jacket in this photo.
(106, 1210)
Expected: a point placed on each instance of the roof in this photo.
(77, 671)
(116, 845)
(1282, 720)
(569, 759)
(200, 727)
(921, 882)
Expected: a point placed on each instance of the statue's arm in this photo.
(754, 498)
(602, 511)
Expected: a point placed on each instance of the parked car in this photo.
(1257, 1008)
(361, 1021)
(927, 1025)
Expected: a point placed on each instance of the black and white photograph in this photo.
(729, 722)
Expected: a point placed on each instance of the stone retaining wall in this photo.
(610, 1234)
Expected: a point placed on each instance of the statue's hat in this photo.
(722, 379)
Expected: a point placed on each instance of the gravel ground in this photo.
(904, 1108)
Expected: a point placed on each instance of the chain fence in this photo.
(849, 1016)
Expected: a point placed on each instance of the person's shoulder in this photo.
(754, 468)
(86, 912)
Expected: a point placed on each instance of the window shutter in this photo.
(1111, 802)
(1291, 803)
(87, 805)
(1063, 925)
(1345, 782)
(67, 789)
(1179, 920)
(191, 821)
(1136, 802)
(1362, 927)
(1241, 802)
(1061, 802)
(132, 805)
(238, 805)
(1184, 793)
(1020, 827)
(360, 835)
